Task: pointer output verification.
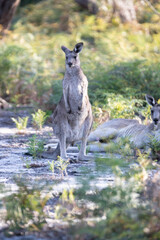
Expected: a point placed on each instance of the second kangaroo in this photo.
(72, 118)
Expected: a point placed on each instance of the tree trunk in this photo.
(125, 10)
(7, 11)
(90, 5)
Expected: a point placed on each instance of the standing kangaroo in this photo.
(72, 118)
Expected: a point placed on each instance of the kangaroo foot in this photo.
(65, 158)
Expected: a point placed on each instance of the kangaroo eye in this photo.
(151, 111)
(75, 57)
(67, 58)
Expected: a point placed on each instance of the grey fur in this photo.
(150, 100)
(110, 129)
(72, 118)
(138, 134)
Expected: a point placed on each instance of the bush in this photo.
(122, 210)
(121, 59)
(25, 208)
(38, 119)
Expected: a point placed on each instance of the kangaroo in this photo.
(139, 134)
(72, 118)
(155, 110)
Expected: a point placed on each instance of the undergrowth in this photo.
(122, 64)
(121, 61)
(121, 210)
(35, 146)
(124, 208)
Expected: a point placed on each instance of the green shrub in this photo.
(35, 146)
(62, 166)
(154, 144)
(38, 119)
(51, 166)
(25, 208)
(21, 123)
(117, 59)
(122, 210)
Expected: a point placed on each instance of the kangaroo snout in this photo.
(70, 64)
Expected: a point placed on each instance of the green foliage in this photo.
(35, 146)
(117, 211)
(10, 57)
(120, 61)
(144, 161)
(39, 119)
(25, 208)
(51, 166)
(62, 166)
(154, 144)
(122, 65)
(26, 161)
(28, 164)
(121, 146)
(67, 198)
(21, 123)
(122, 107)
(125, 84)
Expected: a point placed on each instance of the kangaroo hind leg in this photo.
(86, 130)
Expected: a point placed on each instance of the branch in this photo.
(152, 7)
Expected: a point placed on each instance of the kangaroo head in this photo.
(72, 57)
(155, 109)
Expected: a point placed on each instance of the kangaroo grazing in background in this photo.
(155, 110)
(72, 118)
(138, 133)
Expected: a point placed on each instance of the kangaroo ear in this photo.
(150, 100)
(78, 47)
(64, 49)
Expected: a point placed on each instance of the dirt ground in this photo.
(15, 162)
(13, 152)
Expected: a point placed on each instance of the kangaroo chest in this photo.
(76, 93)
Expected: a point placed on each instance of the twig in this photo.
(152, 7)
